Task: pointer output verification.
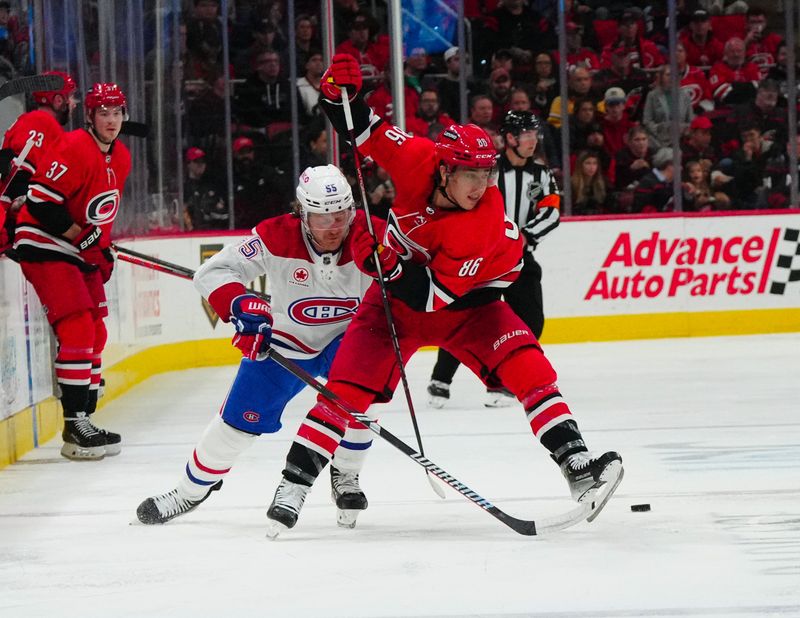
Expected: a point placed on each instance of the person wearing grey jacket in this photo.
(659, 107)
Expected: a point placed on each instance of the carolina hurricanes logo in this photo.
(103, 207)
(322, 311)
(300, 275)
(695, 92)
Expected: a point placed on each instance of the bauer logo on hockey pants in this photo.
(507, 336)
(321, 311)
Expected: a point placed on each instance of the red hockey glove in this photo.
(106, 264)
(87, 237)
(363, 247)
(252, 318)
(343, 72)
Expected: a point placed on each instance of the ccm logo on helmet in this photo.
(321, 311)
(103, 207)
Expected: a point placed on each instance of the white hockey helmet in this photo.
(323, 190)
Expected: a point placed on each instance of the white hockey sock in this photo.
(213, 457)
(352, 451)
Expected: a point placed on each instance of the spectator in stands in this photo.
(591, 193)
(763, 112)
(429, 120)
(659, 109)
(777, 178)
(580, 84)
(448, 86)
(204, 40)
(415, 68)
(262, 102)
(577, 54)
(779, 72)
(761, 47)
(206, 117)
(258, 192)
(360, 45)
(748, 169)
(305, 41)
(481, 113)
(582, 121)
(520, 100)
(545, 85)
(641, 53)
(500, 94)
(703, 49)
(615, 122)
(380, 191)
(654, 192)
(382, 101)
(633, 161)
(8, 33)
(694, 82)
(697, 192)
(314, 144)
(344, 13)
(308, 85)
(204, 205)
(733, 79)
(521, 27)
(697, 144)
(725, 7)
(622, 74)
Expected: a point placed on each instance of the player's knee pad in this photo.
(76, 332)
(353, 395)
(524, 371)
(100, 336)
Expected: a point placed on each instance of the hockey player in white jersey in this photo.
(316, 289)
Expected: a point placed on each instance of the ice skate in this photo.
(348, 497)
(285, 507)
(438, 394)
(593, 478)
(499, 398)
(82, 440)
(113, 440)
(161, 509)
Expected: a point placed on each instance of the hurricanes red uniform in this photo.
(723, 77)
(695, 84)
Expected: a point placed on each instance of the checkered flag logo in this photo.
(787, 269)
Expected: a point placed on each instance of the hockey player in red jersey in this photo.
(62, 240)
(316, 289)
(447, 254)
(41, 127)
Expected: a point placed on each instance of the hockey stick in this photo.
(384, 296)
(527, 527)
(16, 164)
(31, 83)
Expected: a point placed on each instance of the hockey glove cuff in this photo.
(87, 237)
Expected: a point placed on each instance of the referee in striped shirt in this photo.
(532, 200)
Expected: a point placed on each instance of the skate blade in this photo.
(275, 529)
(607, 485)
(80, 453)
(437, 402)
(113, 449)
(346, 518)
(499, 402)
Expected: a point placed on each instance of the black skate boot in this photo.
(438, 394)
(113, 440)
(593, 478)
(160, 509)
(82, 440)
(285, 507)
(347, 494)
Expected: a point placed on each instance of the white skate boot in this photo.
(161, 509)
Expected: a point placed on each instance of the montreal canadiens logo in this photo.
(321, 311)
(103, 207)
(300, 275)
(251, 417)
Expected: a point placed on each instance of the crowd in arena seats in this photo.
(731, 110)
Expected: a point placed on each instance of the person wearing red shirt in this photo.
(577, 54)
(42, 127)
(615, 122)
(761, 46)
(643, 54)
(429, 120)
(733, 79)
(62, 240)
(703, 49)
(448, 253)
(360, 47)
(694, 82)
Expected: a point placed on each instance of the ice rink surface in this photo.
(709, 430)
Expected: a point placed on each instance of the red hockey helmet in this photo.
(466, 145)
(45, 97)
(105, 95)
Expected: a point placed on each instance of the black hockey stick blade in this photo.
(521, 526)
(31, 83)
(135, 129)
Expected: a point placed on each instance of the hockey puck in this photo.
(639, 508)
